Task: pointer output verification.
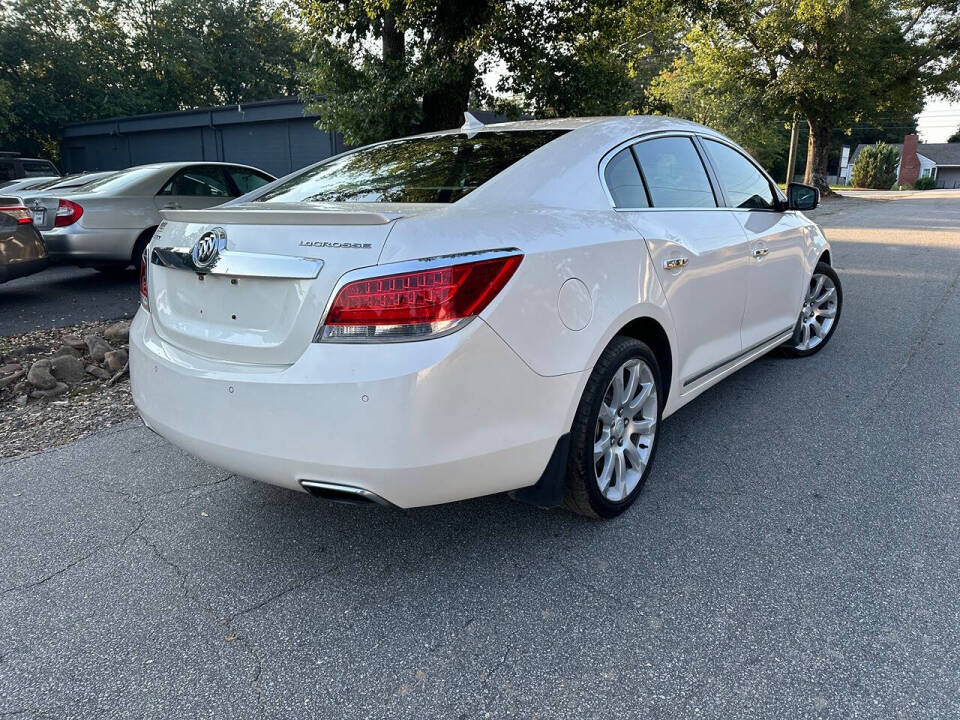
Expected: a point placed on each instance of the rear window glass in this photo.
(38, 168)
(624, 182)
(436, 169)
(118, 179)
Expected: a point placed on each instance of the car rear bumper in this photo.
(413, 423)
(78, 244)
(21, 268)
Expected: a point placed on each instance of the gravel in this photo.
(28, 424)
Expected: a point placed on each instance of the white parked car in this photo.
(107, 219)
(511, 307)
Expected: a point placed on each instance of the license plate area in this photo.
(39, 216)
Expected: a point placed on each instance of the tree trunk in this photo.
(394, 44)
(454, 31)
(443, 107)
(818, 152)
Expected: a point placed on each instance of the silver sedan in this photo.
(107, 222)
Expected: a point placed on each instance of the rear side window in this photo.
(247, 180)
(198, 181)
(624, 182)
(743, 185)
(674, 173)
(6, 171)
(38, 168)
(433, 169)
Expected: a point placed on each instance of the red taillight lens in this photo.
(418, 304)
(144, 299)
(67, 213)
(18, 213)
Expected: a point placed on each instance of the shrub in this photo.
(925, 183)
(876, 167)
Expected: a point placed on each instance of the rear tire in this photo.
(615, 430)
(818, 317)
(140, 245)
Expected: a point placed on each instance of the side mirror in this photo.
(802, 197)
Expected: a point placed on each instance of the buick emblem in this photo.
(207, 249)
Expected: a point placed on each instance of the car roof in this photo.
(188, 163)
(628, 124)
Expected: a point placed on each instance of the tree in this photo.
(955, 137)
(834, 64)
(384, 68)
(876, 167)
(70, 60)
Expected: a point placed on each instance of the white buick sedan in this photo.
(106, 219)
(512, 307)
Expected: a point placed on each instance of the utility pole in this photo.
(792, 157)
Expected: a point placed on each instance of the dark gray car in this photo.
(22, 251)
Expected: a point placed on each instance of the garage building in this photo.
(278, 136)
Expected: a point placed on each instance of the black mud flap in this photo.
(547, 492)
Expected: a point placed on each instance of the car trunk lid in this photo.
(262, 299)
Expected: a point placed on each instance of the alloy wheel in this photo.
(818, 313)
(625, 430)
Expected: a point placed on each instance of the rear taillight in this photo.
(418, 304)
(144, 299)
(18, 213)
(67, 213)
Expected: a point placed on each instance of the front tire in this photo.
(818, 316)
(614, 435)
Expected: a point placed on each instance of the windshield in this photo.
(435, 169)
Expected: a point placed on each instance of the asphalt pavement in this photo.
(795, 554)
(65, 295)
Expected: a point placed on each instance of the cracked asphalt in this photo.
(795, 554)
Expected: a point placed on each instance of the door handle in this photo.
(761, 252)
(172, 206)
(674, 263)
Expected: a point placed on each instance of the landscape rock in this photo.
(10, 369)
(115, 360)
(118, 333)
(74, 341)
(40, 376)
(66, 350)
(97, 347)
(26, 350)
(98, 372)
(58, 389)
(10, 379)
(68, 369)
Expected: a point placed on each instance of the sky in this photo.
(938, 121)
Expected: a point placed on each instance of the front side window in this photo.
(434, 169)
(624, 182)
(38, 168)
(742, 183)
(7, 171)
(674, 173)
(198, 181)
(248, 180)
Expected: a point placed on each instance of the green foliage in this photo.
(64, 61)
(876, 167)
(925, 183)
(383, 68)
(839, 64)
(955, 137)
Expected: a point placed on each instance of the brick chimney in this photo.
(909, 162)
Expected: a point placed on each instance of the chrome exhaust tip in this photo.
(342, 493)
